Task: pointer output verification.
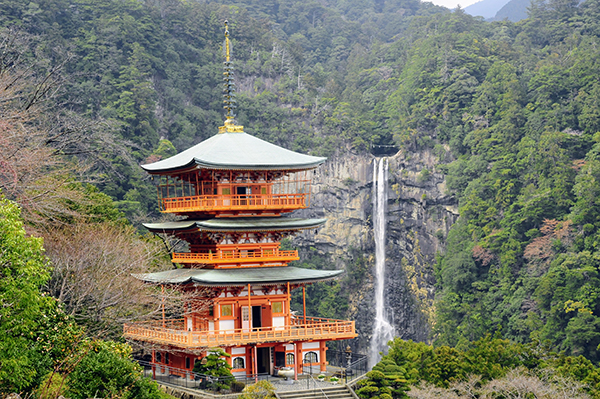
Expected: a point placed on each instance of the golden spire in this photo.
(229, 89)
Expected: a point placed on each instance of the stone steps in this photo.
(338, 392)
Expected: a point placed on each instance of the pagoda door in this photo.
(280, 359)
(242, 191)
(266, 317)
(245, 319)
(256, 316)
(263, 360)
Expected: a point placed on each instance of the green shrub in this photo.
(106, 371)
(260, 390)
(237, 386)
(214, 365)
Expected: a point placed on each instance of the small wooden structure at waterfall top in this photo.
(232, 190)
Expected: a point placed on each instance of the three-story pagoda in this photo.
(233, 190)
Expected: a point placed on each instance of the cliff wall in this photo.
(418, 218)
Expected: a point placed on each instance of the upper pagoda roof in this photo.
(239, 277)
(236, 224)
(235, 151)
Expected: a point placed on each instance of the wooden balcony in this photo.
(174, 333)
(272, 203)
(237, 257)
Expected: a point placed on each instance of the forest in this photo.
(91, 89)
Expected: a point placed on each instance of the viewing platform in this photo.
(173, 333)
(231, 258)
(274, 203)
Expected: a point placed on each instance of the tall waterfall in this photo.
(383, 330)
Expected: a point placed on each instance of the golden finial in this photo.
(229, 88)
(227, 44)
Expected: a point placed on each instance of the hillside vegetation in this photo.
(511, 111)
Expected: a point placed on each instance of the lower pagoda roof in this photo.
(236, 224)
(239, 277)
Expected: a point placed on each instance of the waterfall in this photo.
(383, 330)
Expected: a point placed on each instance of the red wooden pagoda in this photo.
(233, 189)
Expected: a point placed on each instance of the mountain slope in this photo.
(514, 11)
(485, 8)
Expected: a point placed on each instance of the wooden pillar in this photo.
(304, 303)
(296, 361)
(229, 359)
(153, 364)
(163, 305)
(248, 362)
(289, 306)
(249, 310)
(323, 356)
(255, 362)
(309, 192)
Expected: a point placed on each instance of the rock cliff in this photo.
(418, 218)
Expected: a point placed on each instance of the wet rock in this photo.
(419, 215)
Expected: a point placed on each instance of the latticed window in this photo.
(310, 357)
(277, 307)
(238, 363)
(289, 359)
(226, 310)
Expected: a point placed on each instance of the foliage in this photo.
(27, 347)
(42, 349)
(491, 364)
(150, 70)
(214, 365)
(92, 276)
(385, 380)
(260, 390)
(106, 370)
(53, 386)
(517, 104)
(518, 383)
(524, 172)
(44, 150)
(237, 386)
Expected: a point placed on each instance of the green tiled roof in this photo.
(236, 224)
(239, 277)
(239, 151)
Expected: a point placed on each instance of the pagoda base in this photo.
(248, 360)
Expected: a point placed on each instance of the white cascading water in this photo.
(383, 330)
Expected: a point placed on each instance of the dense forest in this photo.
(91, 89)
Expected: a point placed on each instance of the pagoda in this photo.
(232, 191)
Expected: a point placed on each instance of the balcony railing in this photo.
(254, 202)
(236, 256)
(175, 334)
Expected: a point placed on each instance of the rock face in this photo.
(418, 218)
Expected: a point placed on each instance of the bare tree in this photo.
(517, 384)
(45, 149)
(93, 273)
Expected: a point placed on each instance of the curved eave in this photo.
(197, 164)
(234, 151)
(239, 277)
(237, 224)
